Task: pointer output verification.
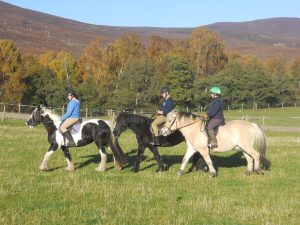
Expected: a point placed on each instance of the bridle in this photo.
(178, 128)
(33, 116)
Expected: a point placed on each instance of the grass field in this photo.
(29, 196)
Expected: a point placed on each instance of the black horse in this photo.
(95, 130)
(140, 125)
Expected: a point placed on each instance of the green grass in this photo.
(287, 116)
(29, 196)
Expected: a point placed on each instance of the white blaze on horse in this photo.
(237, 134)
(95, 130)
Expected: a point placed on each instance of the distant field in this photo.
(29, 196)
(284, 117)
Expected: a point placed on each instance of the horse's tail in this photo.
(261, 146)
(113, 144)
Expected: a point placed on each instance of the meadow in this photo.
(30, 196)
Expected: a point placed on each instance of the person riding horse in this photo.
(160, 117)
(70, 117)
(214, 116)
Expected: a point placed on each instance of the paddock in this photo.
(29, 196)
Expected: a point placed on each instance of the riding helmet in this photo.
(215, 90)
(164, 90)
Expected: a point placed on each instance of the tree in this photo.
(159, 47)
(10, 61)
(207, 52)
(179, 78)
(135, 88)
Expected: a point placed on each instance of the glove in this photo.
(205, 116)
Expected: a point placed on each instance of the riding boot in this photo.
(68, 135)
(155, 141)
(212, 136)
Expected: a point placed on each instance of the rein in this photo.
(178, 128)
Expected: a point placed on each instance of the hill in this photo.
(35, 32)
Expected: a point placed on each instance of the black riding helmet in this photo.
(71, 92)
(164, 90)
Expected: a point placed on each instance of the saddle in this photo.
(75, 128)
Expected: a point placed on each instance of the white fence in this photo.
(21, 111)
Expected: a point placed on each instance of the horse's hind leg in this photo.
(103, 154)
(68, 157)
(249, 159)
(157, 158)
(253, 161)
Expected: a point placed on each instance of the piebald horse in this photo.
(236, 134)
(94, 130)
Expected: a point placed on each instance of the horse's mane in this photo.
(135, 117)
(187, 115)
(50, 113)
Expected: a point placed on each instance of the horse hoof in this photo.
(180, 173)
(248, 173)
(70, 169)
(259, 172)
(44, 169)
(100, 169)
(212, 175)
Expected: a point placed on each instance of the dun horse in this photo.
(140, 125)
(237, 134)
(95, 130)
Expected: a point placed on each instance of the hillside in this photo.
(35, 32)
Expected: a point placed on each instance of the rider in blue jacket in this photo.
(70, 117)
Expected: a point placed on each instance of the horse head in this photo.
(169, 125)
(120, 124)
(39, 115)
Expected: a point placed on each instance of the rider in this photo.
(214, 115)
(70, 117)
(160, 117)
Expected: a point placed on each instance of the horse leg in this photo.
(157, 157)
(189, 152)
(103, 156)
(209, 163)
(140, 153)
(44, 164)
(256, 158)
(249, 159)
(68, 158)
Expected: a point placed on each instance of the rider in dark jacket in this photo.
(160, 117)
(214, 115)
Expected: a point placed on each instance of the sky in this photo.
(162, 13)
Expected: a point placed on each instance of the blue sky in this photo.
(163, 13)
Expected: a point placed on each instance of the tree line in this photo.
(128, 74)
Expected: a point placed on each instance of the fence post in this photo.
(282, 104)
(86, 112)
(228, 107)
(3, 114)
(187, 109)
(263, 120)
(62, 110)
(19, 107)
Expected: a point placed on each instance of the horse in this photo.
(140, 125)
(94, 130)
(236, 134)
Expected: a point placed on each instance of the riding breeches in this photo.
(67, 123)
(213, 123)
(159, 119)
